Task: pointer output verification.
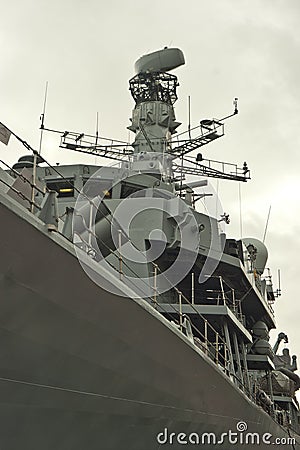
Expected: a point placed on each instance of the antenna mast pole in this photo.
(97, 128)
(279, 282)
(189, 110)
(42, 117)
(267, 223)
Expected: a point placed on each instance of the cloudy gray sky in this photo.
(244, 48)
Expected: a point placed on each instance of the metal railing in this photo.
(226, 297)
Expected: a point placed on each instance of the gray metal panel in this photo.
(7, 179)
(259, 362)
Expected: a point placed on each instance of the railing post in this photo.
(193, 288)
(120, 255)
(238, 359)
(205, 336)
(180, 310)
(222, 290)
(33, 181)
(217, 348)
(90, 225)
(245, 366)
(270, 385)
(234, 302)
(228, 344)
(155, 285)
(226, 359)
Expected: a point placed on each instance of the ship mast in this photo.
(157, 146)
(153, 118)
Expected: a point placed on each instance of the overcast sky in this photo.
(233, 48)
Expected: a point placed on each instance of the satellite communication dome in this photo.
(261, 255)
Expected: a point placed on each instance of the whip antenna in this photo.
(42, 118)
(267, 223)
(189, 112)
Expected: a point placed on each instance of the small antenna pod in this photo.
(235, 104)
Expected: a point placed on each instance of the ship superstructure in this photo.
(174, 327)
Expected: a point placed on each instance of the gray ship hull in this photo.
(82, 368)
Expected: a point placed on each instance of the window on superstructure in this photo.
(93, 187)
(129, 189)
(64, 188)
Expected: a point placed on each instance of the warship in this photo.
(129, 320)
